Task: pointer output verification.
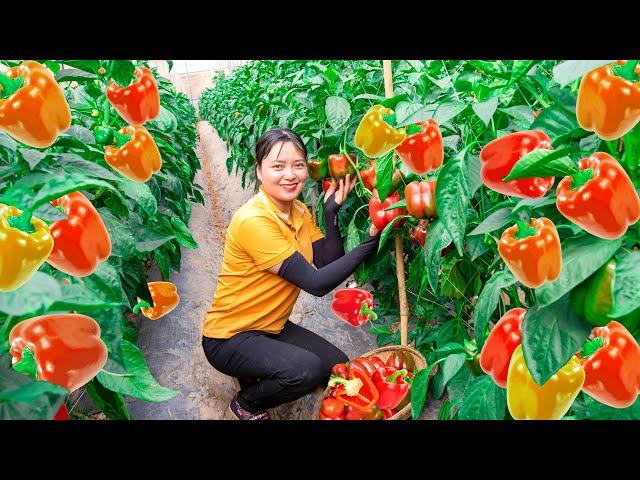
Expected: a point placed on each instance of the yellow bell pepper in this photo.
(529, 401)
(374, 136)
(21, 253)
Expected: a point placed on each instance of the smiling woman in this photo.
(273, 248)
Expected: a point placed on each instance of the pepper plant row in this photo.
(501, 236)
(97, 168)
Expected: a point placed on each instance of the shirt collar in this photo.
(293, 220)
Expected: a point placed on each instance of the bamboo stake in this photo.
(404, 305)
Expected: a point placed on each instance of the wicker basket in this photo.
(384, 353)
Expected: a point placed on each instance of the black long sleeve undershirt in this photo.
(329, 248)
(299, 272)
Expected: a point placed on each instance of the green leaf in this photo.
(476, 247)
(32, 157)
(543, 163)
(165, 121)
(384, 329)
(419, 390)
(581, 257)
(49, 213)
(80, 133)
(475, 180)
(138, 382)
(182, 234)
(447, 111)
(111, 403)
(484, 400)
(123, 244)
(485, 110)
(122, 72)
(519, 69)
(79, 298)
(393, 101)
(384, 175)
(39, 293)
(74, 75)
(522, 115)
(626, 285)
(551, 335)
(498, 219)
(400, 204)
(591, 409)
(453, 283)
(437, 239)
(571, 70)
(338, 111)
(163, 262)
(491, 67)
(534, 203)
(451, 366)
(105, 283)
(71, 162)
(452, 197)
(91, 66)
(388, 230)
(141, 194)
(560, 124)
(488, 302)
(409, 113)
(23, 399)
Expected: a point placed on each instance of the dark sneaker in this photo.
(242, 414)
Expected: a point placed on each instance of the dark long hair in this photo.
(270, 138)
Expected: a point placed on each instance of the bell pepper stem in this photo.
(8, 86)
(394, 376)
(591, 346)
(352, 386)
(365, 310)
(580, 178)
(524, 230)
(27, 364)
(121, 139)
(22, 222)
(139, 305)
(413, 128)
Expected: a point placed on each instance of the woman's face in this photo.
(283, 172)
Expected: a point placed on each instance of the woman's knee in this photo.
(308, 371)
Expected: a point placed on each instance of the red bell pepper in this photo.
(381, 217)
(500, 345)
(374, 413)
(140, 101)
(612, 373)
(423, 150)
(368, 176)
(600, 198)
(421, 199)
(364, 364)
(418, 234)
(63, 413)
(354, 306)
(387, 413)
(499, 156)
(377, 362)
(340, 369)
(332, 408)
(326, 183)
(340, 166)
(81, 241)
(391, 386)
(358, 392)
(61, 348)
(400, 359)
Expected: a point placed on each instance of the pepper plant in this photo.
(146, 222)
(458, 284)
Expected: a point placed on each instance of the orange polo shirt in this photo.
(248, 296)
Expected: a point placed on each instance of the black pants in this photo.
(274, 368)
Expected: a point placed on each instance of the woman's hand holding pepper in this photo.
(341, 188)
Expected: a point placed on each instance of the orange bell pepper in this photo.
(607, 104)
(600, 198)
(33, 109)
(165, 298)
(532, 252)
(136, 156)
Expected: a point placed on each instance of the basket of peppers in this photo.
(374, 386)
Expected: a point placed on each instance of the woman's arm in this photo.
(296, 270)
(329, 248)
